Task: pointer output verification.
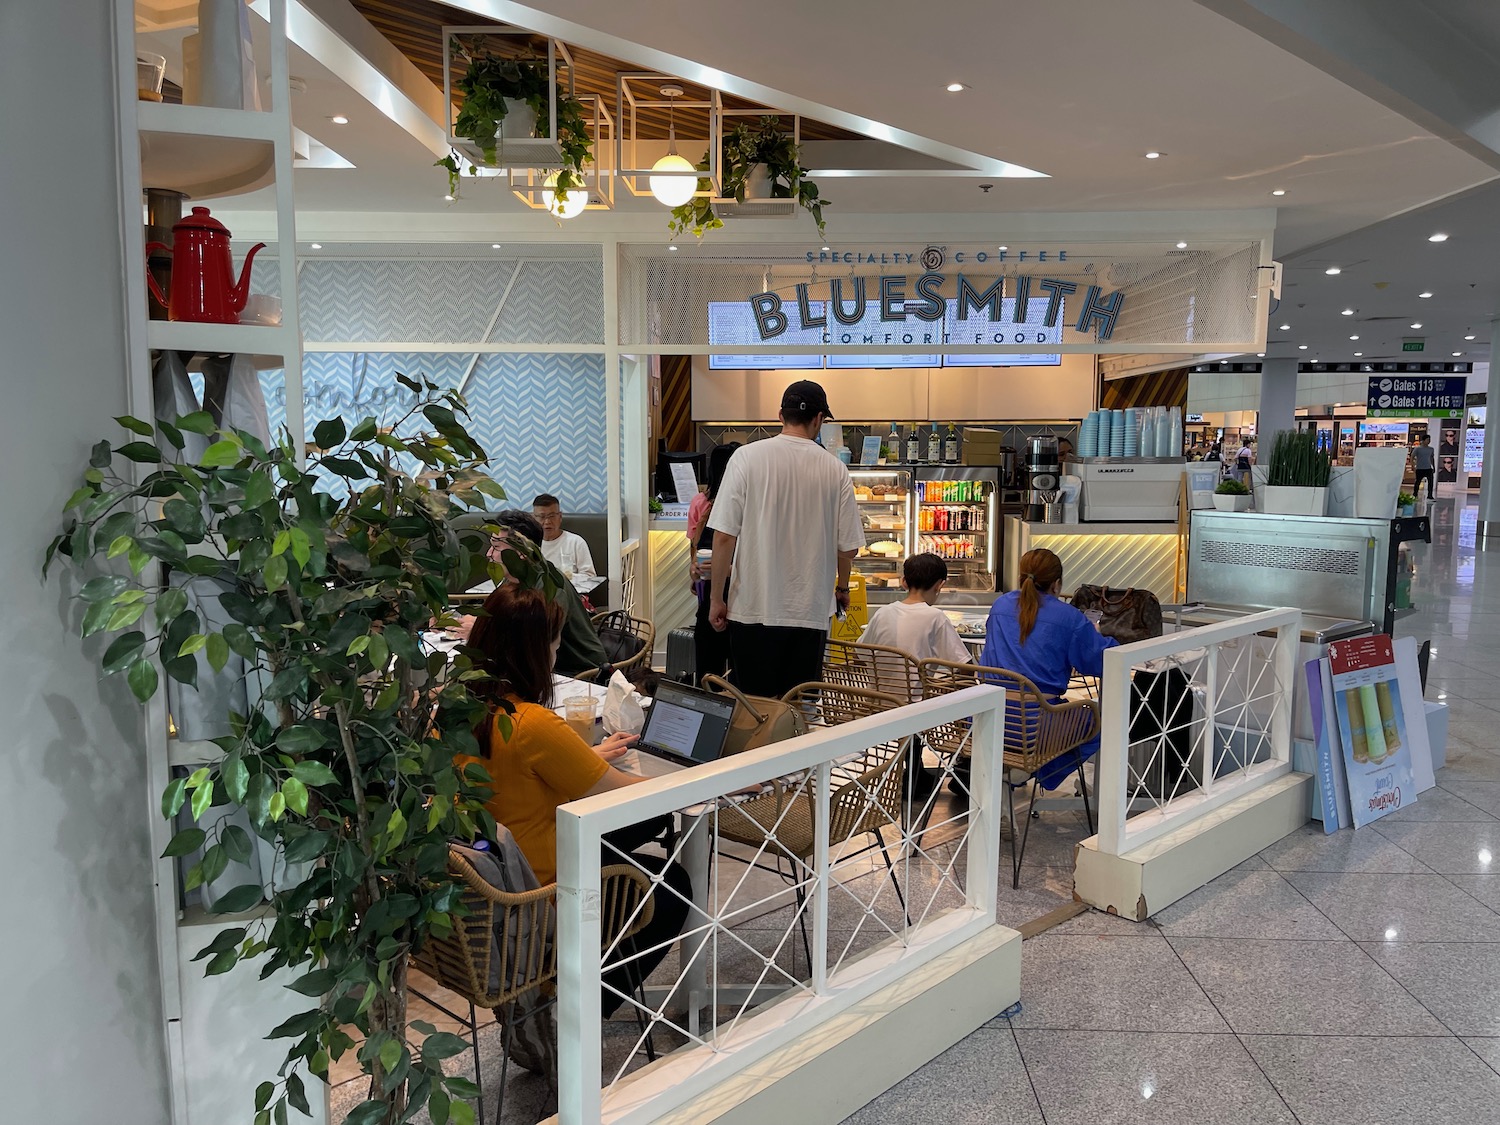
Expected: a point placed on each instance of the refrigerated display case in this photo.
(884, 499)
(955, 517)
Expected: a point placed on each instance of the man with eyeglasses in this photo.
(567, 551)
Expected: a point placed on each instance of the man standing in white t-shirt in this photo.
(787, 521)
(566, 551)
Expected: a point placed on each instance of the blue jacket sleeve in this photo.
(1086, 647)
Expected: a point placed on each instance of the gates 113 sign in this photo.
(1396, 396)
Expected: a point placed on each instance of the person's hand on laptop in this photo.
(616, 745)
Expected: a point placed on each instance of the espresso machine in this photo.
(1042, 500)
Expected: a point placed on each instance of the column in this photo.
(1278, 399)
(1488, 528)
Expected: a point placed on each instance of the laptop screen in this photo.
(688, 723)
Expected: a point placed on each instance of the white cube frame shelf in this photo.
(517, 152)
(642, 90)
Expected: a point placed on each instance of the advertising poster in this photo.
(1449, 451)
(1372, 727)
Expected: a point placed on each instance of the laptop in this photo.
(687, 726)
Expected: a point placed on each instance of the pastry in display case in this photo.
(884, 499)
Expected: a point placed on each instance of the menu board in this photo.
(872, 330)
(1473, 451)
(732, 324)
(977, 328)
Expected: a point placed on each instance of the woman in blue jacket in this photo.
(1032, 632)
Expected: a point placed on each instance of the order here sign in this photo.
(1416, 396)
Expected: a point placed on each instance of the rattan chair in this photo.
(637, 628)
(519, 930)
(874, 668)
(1037, 731)
(866, 799)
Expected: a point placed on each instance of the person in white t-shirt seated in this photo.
(568, 552)
(915, 625)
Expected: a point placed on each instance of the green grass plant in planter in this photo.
(347, 763)
(1297, 462)
(488, 83)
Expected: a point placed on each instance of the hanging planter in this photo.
(762, 176)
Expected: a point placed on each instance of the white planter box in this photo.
(1289, 500)
(1229, 502)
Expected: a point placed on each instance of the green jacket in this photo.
(580, 650)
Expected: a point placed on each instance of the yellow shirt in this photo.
(541, 765)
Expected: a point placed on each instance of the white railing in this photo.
(724, 998)
(1191, 721)
(630, 564)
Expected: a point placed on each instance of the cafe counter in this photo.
(1143, 555)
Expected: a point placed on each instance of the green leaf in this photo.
(188, 840)
(319, 982)
(301, 546)
(299, 739)
(276, 807)
(142, 452)
(282, 541)
(396, 827)
(185, 519)
(313, 773)
(239, 899)
(218, 652)
(203, 796)
(122, 650)
(192, 644)
(221, 455)
(236, 778)
(264, 1091)
(274, 574)
(258, 798)
(83, 494)
(258, 489)
(222, 962)
(169, 603)
(172, 797)
(390, 1054)
(120, 546)
(357, 645)
(364, 430)
(104, 587)
(236, 843)
(437, 1106)
(240, 642)
(329, 433)
(462, 1114)
(379, 651)
(198, 422)
(296, 1095)
(138, 558)
(142, 679)
(215, 863)
(295, 794)
(127, 614)
(96, 617)
(367, 1113)
(173, 435)
(442, 1045)
(100, 455)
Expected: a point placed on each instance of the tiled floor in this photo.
(1351, 979)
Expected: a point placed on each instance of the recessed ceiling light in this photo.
(1154, 155)
(1333, 271)
(1279, 191)
(1347, 312)
(672, 248)
(1425, 294)
(1302, 347)
(1260, 355)
(1468, 337)
(1182, 246)
(955, 87)
(1358, 354)
(494, 246)
(1439, 237)
(1417, 324)
(339, 119)
(1354, 337)
(825, 248)
(1286, 328)
(1458, 353)
(1002, 248)
(447, 199)
(316, 246)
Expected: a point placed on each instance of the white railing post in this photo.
(1288, 644)
(819, 897)
(1210, 718)
(1114, 751)
(986, 777)
(579, 942)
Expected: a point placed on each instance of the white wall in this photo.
(80, 1023)
(957, 394)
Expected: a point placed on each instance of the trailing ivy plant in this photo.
(488, 82)
(347, 763)
(745, 147)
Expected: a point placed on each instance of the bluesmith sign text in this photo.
(922, 306)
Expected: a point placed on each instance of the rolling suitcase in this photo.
(682, 660)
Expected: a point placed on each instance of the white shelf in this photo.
(205, 121)
(218, 339)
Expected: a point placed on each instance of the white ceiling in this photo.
(1076, 89)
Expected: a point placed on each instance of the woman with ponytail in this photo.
(1032, 632)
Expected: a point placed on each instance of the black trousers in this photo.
(710, 647)
(667, 920)
(773, 659)
(1416, 488)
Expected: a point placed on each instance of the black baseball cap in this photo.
(805, 395)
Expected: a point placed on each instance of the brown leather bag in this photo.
(758, 720)
(1126, 615)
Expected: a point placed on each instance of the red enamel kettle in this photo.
(203, 284)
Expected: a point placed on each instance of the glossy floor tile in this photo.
(1370, 907)
(1311, 849)
(978, 1081)
(1458, 982)
(1247, 904)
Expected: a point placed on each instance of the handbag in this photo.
(1126, 615)
(758, 720)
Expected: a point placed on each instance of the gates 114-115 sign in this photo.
(929, 303)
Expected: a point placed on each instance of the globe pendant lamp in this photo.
(674, 179)
(570, 206)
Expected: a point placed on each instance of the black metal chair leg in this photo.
(639, 993)
(1020, 853)
(896, 883)
(802, 924)
(507, 1041)
(1083, 787)
(478, 1081)
(1015, 861)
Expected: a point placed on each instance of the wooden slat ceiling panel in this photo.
(414, 27)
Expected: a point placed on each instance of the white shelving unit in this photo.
(215, 1026)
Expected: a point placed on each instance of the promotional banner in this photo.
(1372, 726)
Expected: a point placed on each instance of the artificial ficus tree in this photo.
(346, 762)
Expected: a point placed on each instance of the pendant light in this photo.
(570, 206)
(674, 179)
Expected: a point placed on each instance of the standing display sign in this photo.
(1372, 726)
(1416, 396)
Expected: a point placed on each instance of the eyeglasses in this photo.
(548, 517)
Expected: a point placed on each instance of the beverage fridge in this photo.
(954, 516)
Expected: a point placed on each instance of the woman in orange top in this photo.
(543, 764)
